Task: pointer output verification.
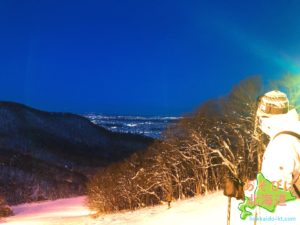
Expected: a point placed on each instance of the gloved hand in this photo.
(234, 187)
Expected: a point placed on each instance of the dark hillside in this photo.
(47, 155)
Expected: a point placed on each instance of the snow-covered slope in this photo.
(211, 209)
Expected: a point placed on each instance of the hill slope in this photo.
(50, 155)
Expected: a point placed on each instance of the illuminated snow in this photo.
(211, 209)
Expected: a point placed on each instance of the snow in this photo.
(49, 212)
(210, 209)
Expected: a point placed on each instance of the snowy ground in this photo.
(211, 209)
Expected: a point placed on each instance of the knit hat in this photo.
(274, 114)
(272, 103)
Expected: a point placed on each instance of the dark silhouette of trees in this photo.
(45, 155)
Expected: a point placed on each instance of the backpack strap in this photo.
(289, 133)
(295, 189)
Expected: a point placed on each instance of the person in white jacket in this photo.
(281, 159)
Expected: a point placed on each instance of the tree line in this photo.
(219, 139)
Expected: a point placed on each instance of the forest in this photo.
(220, 139)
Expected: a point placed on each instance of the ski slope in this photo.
(210, 210)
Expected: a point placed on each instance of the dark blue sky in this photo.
(140, 57)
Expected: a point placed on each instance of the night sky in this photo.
(141, 57)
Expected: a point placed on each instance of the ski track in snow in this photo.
(210, 209)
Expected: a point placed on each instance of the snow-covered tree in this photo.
(194, 157)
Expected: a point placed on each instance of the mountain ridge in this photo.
(48, 155)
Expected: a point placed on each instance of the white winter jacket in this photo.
(281, 159)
